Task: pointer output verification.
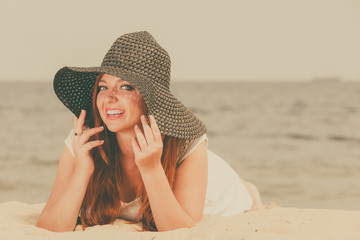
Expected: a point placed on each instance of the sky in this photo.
(271, 40)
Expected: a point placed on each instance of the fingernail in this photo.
(102, 141)
(142, 117)
(136, 126)
(101, 127)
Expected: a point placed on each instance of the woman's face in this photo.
(119, 103)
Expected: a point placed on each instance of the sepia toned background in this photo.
(276, 83)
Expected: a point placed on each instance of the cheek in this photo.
(138, 102)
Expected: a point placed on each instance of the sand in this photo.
(18, 220)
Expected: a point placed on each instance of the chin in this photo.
(117, 128)
(113, 128)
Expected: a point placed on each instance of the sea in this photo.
(298, 142)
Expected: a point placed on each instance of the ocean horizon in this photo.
(299, 142)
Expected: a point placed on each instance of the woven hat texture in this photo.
(138, 59)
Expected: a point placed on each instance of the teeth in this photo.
(114, 112)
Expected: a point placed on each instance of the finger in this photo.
(80, 122)
(149, 136)
(90, 132)
(140, 138)
(155, 129)
(135, 145)
(75, 122)
(92, 144)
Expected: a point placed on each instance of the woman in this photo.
(136, 152)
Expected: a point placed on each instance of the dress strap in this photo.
(68, 141)
(191, 146)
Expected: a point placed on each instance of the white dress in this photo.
(226, 195)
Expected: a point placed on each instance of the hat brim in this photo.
(74, 87)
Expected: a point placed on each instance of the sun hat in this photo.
(138, 59)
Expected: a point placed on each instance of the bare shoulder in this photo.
(65, 170)
(198, 155)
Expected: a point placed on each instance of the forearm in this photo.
(62, 215)
(167, 212)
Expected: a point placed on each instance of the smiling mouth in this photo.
(114, 113)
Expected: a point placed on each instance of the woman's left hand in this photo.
(147, 146)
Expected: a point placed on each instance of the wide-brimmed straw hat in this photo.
(138, 59)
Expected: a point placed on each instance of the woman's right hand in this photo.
(84, 164)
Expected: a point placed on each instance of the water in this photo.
(298, 142)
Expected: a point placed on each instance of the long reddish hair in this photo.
(102, 200)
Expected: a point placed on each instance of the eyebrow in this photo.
(103, 80)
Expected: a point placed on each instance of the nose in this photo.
(111, 94)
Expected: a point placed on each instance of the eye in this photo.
(102, 88)
(127, 87)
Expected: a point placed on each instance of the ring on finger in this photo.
(78, 134)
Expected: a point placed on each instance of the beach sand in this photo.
(18, 220)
